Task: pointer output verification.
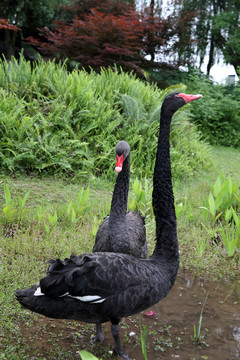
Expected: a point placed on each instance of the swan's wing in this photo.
(93, 277)
(137, 234)
(136, 228)
(130, 239)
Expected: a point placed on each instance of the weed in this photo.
(143, 337)
(201, 244)
(142, 200)
(52, 222)
(231, 238)
(197, 332)
(77, 209)
(223, 195)
(14, 210)
(179, 209)
(9, 209)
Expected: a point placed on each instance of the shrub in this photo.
(55, 122)
(218, 115)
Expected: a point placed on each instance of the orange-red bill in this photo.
(188, 97)
(119, 163)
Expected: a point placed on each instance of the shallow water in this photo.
(170, 330)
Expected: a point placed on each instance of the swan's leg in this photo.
(99, 337)
(117, 343)
(99, 334)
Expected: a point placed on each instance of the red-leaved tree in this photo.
(4, 24)
(96, 40)
(113, 33)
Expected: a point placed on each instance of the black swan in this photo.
(101, 287)
(122, 232)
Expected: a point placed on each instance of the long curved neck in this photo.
(163, 199)
(117, 228)
(120, 193)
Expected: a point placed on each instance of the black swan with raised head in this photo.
(122, 232)
(101, 287)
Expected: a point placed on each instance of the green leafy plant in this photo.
(143, 337)
(76, 209)
(231, 238)
(52, 222)
(139, 200)
(85, 355)
(201, 244)
(142, 200)
(21, 206)
(9, 208)
(179, 208)
(70, 127)
(39, 213)
(14, 210)
(218, 116)
(230, 214)
(223, 195)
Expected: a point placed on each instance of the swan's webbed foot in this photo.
(99, 334)
(121, 354)
(99, 337)
(118, 350)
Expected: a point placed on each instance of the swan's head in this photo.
(122, 152)
(176, 100)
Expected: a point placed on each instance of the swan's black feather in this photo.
(122, 232)
(134, 227)
(118, 278)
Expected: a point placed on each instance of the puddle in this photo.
(170, 330)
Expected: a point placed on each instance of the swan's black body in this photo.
(122, 232)
(114, 285)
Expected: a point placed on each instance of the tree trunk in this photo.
(234, 60)
(211, 55)
(151, 47)
(9, 40)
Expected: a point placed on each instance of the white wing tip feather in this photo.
(92, 299)
(38, 292)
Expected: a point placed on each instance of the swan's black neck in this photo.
(163, 199)
(120, 193)
(117, 216)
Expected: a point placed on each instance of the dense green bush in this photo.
(55, 122)
(218, 115)
(167, 76)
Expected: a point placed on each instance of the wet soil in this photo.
(170, 331)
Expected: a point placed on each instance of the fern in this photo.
(57, 122)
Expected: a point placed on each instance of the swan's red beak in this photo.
(119, 163)
(188, 97)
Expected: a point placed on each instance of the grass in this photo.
(197, 331)
(25, 249)
(228, 160)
